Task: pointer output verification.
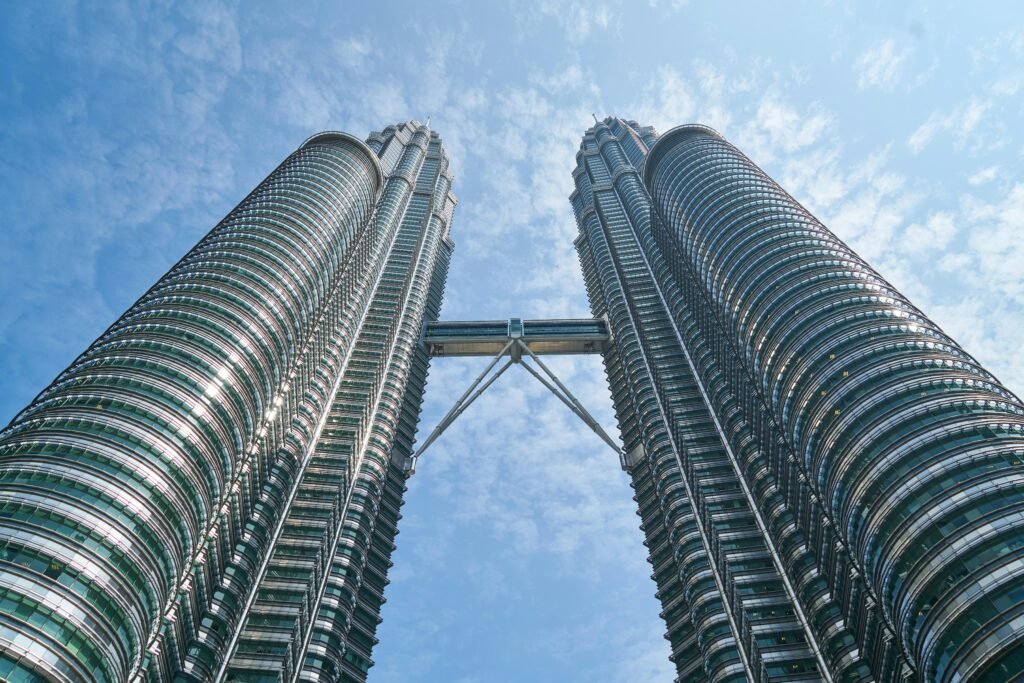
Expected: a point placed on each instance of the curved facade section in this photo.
(312, 607)
(732, 612)
(903, 444)
(328, 137)
(116, 476)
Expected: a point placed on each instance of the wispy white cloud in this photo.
(990, 328)
(572, 78)
(353, 51)
(667, 100)
(874, 211)
(961, 122)
(1007, 86)
(984, 175)
(672, 5)
(935, 233)
(779, 128)
(816, 176)
(993, 52)
(995, 241)
(578, 19)
(881, 66)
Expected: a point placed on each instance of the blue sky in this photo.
(128, 130)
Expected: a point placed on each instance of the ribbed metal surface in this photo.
(902, 445)
(730, 610)
(115, 475)
(792, 422)
(145, 494)
(340, 636)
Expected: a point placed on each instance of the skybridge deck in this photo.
(491, 337)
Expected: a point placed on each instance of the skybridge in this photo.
(519, 342)
(542, 337)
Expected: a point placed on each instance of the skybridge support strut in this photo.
(460, 406)
(575, 406)
(549, 337)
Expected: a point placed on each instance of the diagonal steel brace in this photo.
(575, 407)
(569, 399)
(470, 395)
(482, 383)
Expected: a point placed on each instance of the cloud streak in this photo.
(881, 66)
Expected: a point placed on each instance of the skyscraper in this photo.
(210, 491)
(830, 487)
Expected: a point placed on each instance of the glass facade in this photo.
(210, 491)
(830, 487)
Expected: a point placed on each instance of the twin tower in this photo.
(831, 489)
